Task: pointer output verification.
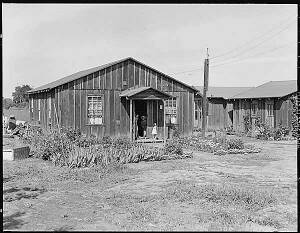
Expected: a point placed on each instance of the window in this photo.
(270, 110)
(95, 110)
(253, 109)
(171, 110)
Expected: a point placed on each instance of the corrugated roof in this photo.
(133, 91)
(83, 73)
(270, 89)
(222, 92)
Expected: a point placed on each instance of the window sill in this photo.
(95, 124)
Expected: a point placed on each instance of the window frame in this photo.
(170, 105)
(87, 109)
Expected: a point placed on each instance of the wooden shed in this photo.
(220, 110)
(103, 101)
(269, 102)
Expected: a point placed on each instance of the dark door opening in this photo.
(141, 110)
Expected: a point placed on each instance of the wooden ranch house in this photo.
(103, 101)
(220, 110)
(270, 102)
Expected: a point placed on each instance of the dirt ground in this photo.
(38, 196)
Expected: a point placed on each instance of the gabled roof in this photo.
(134, 91)
(222, 92)
(83, 73)
(270, 89)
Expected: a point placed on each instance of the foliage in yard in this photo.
(295, 120)
(217, 145)
(247, 123)
(173, 147)
(262, 130)
(280, 132)
(68, 147)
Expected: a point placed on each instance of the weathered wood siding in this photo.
(282, 112)
(70, 100)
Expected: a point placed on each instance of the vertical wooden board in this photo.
(142, 76)
(155, 120)
(160, 110)
(119, 76)
(112, 112)
(136, 74)
(125, 81)
(77, 104)
(108, 78)
(192, 112)
(102, 79)
(96, 80)
(169, 84)
(114, 77)
(53, 117)
(130, 74)
(71, 105)
(117, 113)
(83, 106)
(89, 82)
(107, 106)
(159, 82)
(124, 117)
(153, 79)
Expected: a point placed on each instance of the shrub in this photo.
(295, 121)
(235, 144)
(263, 131)
(280, 132)
(247, 123)
(173, 147)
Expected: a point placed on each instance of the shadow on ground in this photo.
(13, 194)
(11, 222)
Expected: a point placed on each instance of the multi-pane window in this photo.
(171, 111)
(270, 110)
(253, 109)
(95, 110)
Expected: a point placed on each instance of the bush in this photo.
(235, 144)
(281, 132)
(173, 147)
(263, 131)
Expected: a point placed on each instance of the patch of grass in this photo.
(248, 197)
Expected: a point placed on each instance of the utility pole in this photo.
(204, 99)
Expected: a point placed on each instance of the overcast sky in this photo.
(45, 42)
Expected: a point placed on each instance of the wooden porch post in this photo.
(164, 121)
(130, 114)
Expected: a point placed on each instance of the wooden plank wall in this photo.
(70, 100)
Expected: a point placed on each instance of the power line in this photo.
(260, 53)
(187, 71)
(255, 46)
(250, 41)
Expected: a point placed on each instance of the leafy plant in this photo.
(173, 147)
(247, 122)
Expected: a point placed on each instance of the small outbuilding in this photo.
(105, 100)
(270, 102)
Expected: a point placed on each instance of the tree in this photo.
(20, 96)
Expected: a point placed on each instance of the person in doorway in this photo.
(144, 125)
(154, 131)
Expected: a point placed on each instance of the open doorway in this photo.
(141, 110)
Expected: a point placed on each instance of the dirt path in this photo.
(126, 201)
